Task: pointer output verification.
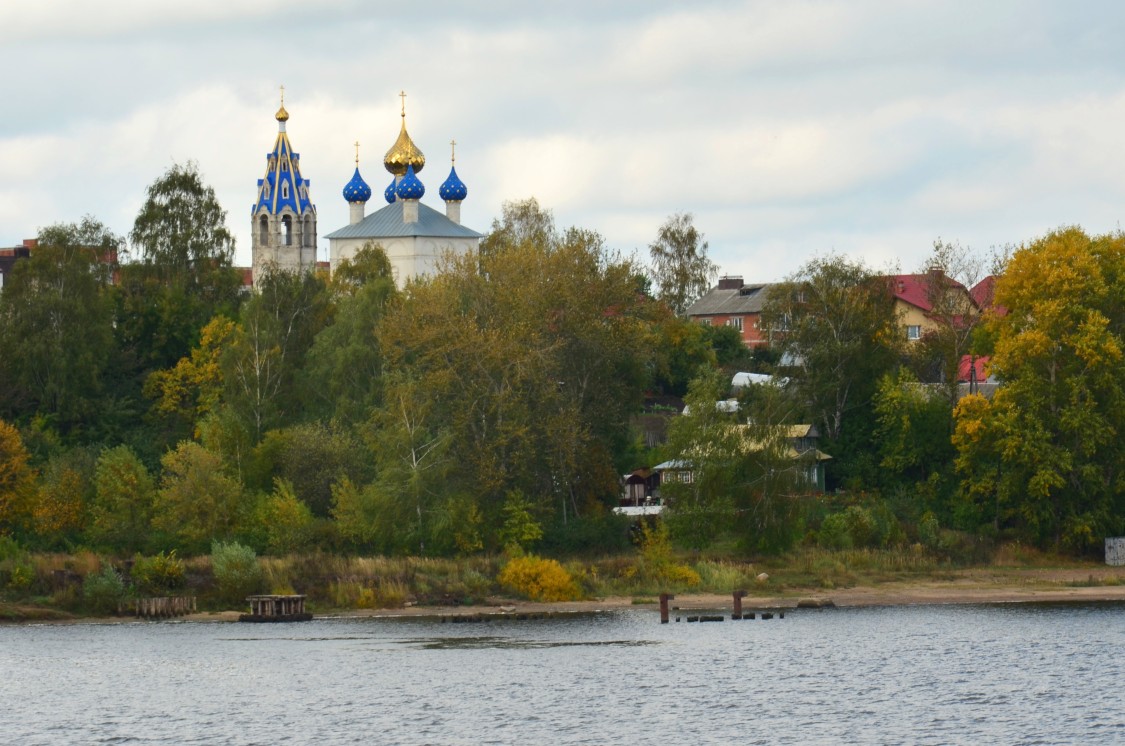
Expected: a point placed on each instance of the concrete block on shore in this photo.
(816, 603)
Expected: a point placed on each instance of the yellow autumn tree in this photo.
(1043, 457)
(190, 390)
(17, 481)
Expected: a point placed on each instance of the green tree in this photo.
(181, 228)
(184, 275)
(283, 520)
(197, 501)
(56, 336)
(531, 359)
(836, 331)
(1048, 441)
(277, 328)
(746, 480)
(122, 509)
(703, 442)
(681, 269)
(521, 223)
(913, 429)
(309, 458)
(344, 370)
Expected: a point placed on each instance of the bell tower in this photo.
(283, 219)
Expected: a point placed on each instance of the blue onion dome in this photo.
(453, 189)
(389, 192)
(410, 187)
(357, 190)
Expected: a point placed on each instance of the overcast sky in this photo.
(789, 129)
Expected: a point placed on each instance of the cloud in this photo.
(788, 129)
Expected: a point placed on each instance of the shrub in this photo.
(520, 529)
(538, 579)
(103, 591)
(236, 569)
(10, 549)
(159, 574)
(285, 522)
(929, 532)
(20, 576)
(834, 532)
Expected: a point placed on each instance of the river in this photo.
(1005, 674)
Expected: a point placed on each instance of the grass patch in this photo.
(21, 613)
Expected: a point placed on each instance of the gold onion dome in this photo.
(404, 153)
(282, 115)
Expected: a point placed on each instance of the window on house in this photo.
(914, 332)
(705, 322)
(736, 322)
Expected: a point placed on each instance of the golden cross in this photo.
(357, 152)
(283, 95)
(453, 151)
(402, 95)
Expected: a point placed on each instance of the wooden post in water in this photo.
(664, 598)
(737, 604)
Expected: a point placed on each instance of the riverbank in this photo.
(970, 586)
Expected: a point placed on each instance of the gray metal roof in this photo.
(723, 301)
(388, 223)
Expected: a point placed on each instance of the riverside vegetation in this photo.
(463, 436)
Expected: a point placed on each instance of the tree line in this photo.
(149, 404)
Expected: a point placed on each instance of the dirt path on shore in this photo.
(973, 586)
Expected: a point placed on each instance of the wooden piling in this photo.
(664, 599)
(737, 604)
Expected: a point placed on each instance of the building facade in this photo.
(283, 218)
(734, 303)
(413, 235)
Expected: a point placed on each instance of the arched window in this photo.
(287, 229)
(263, 230)
(285, 190)
(266, 190)
(308, 232)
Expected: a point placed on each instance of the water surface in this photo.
(932, 675)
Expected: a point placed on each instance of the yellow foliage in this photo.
(538, 579)
(192, 387)
(17, 478)
(59, 508)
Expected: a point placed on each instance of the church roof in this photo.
(453, 189)
(357, 189)
(283, 185)
(388, 223)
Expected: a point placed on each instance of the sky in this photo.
(789, 130)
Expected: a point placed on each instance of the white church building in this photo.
(414, 235)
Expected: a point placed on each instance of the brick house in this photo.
(734, 303)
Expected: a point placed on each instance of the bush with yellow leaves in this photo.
(538, 579)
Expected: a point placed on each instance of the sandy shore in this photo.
(978, 586)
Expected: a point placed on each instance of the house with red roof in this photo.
(927, 301)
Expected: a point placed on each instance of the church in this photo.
(414, 235)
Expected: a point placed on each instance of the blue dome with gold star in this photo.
(389, 192)
(410, 187)
(453, 189)
(357, 190)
